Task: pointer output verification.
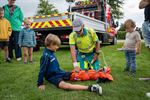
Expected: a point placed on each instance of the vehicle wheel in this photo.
(36, 48)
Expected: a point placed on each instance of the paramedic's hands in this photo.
(76, 67)
(42, 87)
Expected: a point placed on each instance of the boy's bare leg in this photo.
(93, 88)
(68, 86)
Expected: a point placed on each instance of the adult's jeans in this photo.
(130, 60)
(13, 44)
(146, 33)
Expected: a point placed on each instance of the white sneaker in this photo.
(96, 88)
(18, 59)
(148, 94)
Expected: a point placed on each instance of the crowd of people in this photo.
(83, 41)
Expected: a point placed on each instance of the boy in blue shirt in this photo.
(49, 68)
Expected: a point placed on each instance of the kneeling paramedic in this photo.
(84, 47)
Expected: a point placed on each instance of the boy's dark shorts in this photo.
(4, 44)
(56, 81)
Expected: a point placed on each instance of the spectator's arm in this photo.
(143, 4)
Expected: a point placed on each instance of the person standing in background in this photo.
(14, 15)
(131, 47)
(146, 25)
(27, 40)
(5, 32)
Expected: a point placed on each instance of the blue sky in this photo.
(130, 8)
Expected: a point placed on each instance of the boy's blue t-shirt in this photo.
(49, 67)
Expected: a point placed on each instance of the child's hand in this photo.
(42, 87)
(120, 49)
(137, 52)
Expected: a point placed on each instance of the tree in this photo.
(121, 27)
(116, 6)
(45, 8)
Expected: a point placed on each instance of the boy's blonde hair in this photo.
(52, 39)
(1, 9)
(129, 23)
(27, 21)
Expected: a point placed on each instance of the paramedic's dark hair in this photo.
(52, 39)
(129, 23)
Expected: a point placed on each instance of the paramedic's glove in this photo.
(41, 87)
(76, 67)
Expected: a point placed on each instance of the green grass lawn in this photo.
(18, 81)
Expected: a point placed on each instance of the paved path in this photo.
(121, 41)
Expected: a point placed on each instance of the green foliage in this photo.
(45, 8)
(121, 34)
(19, 81)
(116, 6)
(121, 27)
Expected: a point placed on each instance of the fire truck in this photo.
(95, 14)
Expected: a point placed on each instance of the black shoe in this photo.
(133, 73)
(126, 70)
(8, 60)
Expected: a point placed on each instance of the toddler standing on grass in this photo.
(50, 69)
(27, 40)
(132, 46)
(5, 32)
